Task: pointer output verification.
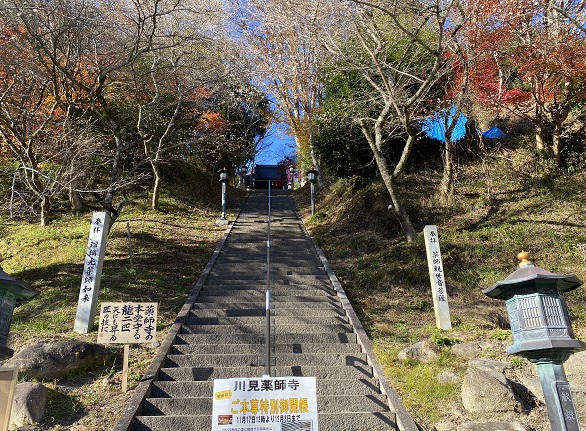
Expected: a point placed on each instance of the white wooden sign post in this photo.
(436, 277)
(7, 385)
(127, 323)
(92, 273)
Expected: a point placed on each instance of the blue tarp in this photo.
(494, 133)
(435, 127)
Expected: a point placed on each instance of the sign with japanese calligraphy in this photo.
(127, 322)
(265, 404)
(436, 276)
(92, 273)
(568, 408)
(7, 385)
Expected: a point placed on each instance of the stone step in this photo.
(285, 280)
(277, 288)
(210, 373)
(281, 291)
(288, 301)
(257, 360)
(203, 405)
(365, 421)
(331, 387)
(237, 338)
(277, 320)
(324, 311)
(253, 329)
(250, 349)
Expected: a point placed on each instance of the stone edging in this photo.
(143, 388)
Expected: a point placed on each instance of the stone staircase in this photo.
(220, 333)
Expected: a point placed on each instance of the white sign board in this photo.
(436, 277)
(127, 322)
(265, 404)
(92, 273)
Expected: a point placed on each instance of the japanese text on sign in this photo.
(284, 403)
(436, 275)
(127, 322)
(92, 269)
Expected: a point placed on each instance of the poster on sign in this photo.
(265, 404)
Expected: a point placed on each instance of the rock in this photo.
(424, 351)
(50, 361)
(488, 391)
(448, 376)
(467, 350)
(575, 368)
(484, 364)
(533, 384)
(493, 426)
(28, 405)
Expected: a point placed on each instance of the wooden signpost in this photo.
(127, 323)
(436, 277)
(92, 273)
(7, 385)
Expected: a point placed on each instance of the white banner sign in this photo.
(265, 404)
(127, 322)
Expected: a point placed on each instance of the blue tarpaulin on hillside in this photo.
(494, 133)
(435, 127)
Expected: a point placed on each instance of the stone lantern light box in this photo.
(537, 312)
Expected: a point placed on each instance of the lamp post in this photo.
(224, 177)
(291, 173)
(312, 178)
(542, 332)
(11, 292)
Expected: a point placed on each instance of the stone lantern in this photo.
(542, 332)
(224, 178)
(11, 292)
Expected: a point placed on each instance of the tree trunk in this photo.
(77, 206)
(156, 186)
(391, 185)
(447, 182)
(45, 206)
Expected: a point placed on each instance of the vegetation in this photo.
(514, 203)
(170, 248)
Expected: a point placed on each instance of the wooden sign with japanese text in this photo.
(92, 273)
(7, 385)
(436, 276)
(127, 322)
(265, 404)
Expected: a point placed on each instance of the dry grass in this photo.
(505, 206)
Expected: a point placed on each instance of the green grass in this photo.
(170, 248)
(514, 202)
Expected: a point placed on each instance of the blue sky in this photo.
(277, 144)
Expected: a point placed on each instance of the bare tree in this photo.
(399, 48)
(283, 42)
(96, 52)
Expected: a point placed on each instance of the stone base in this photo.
(222, 222)
(5, 353)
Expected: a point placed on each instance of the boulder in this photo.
(467, 350)
(486, 390)
(50, 361)
(424, 351)
(28, 405)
